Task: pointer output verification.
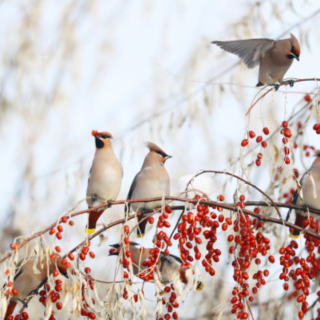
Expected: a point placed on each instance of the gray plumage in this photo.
(273, 56)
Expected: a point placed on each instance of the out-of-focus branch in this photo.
(281, 84)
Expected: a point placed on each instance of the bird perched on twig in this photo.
(105, 177)
(169, 266)
(26, 281)
(274, 57)
(310, 192)
(152, 181)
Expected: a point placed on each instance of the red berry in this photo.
(64, 219)
(316, 126)
(271, 259)
(244, 142)
(14, 291)
(52, 231)
(168, 209)
(151, 220)
(259, 139)
(307, 97)
(92, 255)
(284, 124)
(60, 228)
(252, 134)
(91, 315)
(287, 133)
(58, 249)
(71, 223)
(70, 256)
(264, 144)
(287, 160)
(126, 229)
(59, 236)
(221, 198)
(266, 131)
(258, 163)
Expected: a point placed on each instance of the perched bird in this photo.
(152, 181)
(274, 57)
(169, 266)
(310, 183)
(27, 281)
(105, 177)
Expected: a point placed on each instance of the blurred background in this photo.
(144, 71)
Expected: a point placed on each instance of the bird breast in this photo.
(104, 181)
(311, 190)
(151, 183)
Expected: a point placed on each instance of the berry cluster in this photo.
(170, 304)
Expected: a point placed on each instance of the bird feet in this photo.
(109, 203)
(94, 197)
(305, 208)
(290, 82)
(276, 86)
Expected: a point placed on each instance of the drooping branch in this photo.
(281, 84)
(231, 207)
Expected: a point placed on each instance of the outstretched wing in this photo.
(249, 51)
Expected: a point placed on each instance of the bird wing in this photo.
(133, 185)
(249, 51)
(296, 195)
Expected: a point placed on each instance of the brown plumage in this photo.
(169, 266)
(26, 280)
(105, 177)
(310, 183)
(273, 56)
(152, 181)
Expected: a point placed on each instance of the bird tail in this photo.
(184, 279)
(92, 221)
(10, 309)
(200, 286)
(141, 229)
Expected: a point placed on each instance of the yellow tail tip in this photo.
(294, 236)
(140, 235)
(200, 286)
(90, 231)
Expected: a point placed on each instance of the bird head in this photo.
(294, 51)
(62, 267)
(116, 248)
(102, 138)
(157, 153)
(317, 153)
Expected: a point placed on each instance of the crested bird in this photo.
(105, 178)
(274, 57)
(27, 281)
(152, 181)
(169, 266)
(310, 192)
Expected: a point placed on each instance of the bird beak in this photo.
(168, 157)
(115, 250)
(96, 134)
(297, 58)
(65, 274)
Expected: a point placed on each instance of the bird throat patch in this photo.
(99, 143)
